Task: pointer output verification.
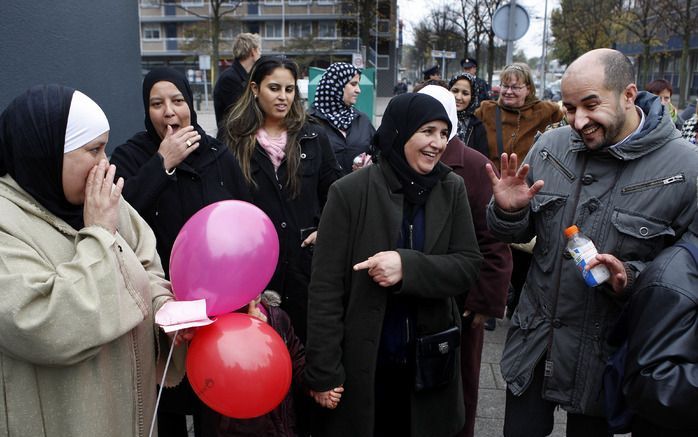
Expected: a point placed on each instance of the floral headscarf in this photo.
(329, 97)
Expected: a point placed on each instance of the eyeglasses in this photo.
(514, 88)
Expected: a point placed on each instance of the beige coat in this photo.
(77, 337)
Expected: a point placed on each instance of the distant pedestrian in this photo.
(400, 87)
(483, 88)
(663, 89)
(232, 82)
(432, 73)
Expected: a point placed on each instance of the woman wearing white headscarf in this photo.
(350, 131)
(487, 298)
(80, 279)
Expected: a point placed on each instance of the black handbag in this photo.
(435, 359)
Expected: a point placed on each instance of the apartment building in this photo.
(314, 32)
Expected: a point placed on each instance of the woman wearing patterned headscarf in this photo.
(80, 280)
(470, 129)
(349, 130)
(396, 245)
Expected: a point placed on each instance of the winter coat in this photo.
(632, 199)
(357, 141)
(229, 87)
(167, 202)
(476, 137)
(281, 421)
(519, 125)
(488, 296)
(78, 343)
(295, 217)
(363, 216)
(662, 359)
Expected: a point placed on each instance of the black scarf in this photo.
(32, 137)
(180, 81)
(404, 115)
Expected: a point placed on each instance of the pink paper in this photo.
(176, 315)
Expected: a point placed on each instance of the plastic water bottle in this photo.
(583, 250)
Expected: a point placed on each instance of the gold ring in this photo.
(189, 144)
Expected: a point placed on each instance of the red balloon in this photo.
(239, 366)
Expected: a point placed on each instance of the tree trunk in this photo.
(490, 57)
(645, 67)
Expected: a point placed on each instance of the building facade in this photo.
(313, 32)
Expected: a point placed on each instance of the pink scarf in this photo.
(273, 146)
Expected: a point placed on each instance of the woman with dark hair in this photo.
(663, 89)
(396, 246)
(80, 281)
(349, 130)
(288, 164)
(471, 131)
(172, 170)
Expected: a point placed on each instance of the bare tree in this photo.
(642, 22)
(219, 10)
(578, 26)
(683, 16)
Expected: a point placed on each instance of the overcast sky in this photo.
(412, 11)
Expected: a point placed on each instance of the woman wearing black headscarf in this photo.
(396, 244)
(79, 277)
(172, 170)
(349, 130)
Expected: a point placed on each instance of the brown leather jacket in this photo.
(519, 125)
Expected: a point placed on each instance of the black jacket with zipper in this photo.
(210, 174)
(294, 217)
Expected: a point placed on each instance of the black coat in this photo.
(295, 217)
(167, 202)
(662, 361)
(229, 87)
(356, 142)
(476, 136)
(363, 216)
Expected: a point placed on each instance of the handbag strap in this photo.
(498, 121)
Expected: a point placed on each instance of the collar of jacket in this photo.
(11, 190)
(657, 131)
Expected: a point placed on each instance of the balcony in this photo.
(178, 46)
(250, 11)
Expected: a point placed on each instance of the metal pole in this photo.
(543, 57)
(443, 67)
(510, 32)
(283, 23)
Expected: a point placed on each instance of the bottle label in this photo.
(584, 253)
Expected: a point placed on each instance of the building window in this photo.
(272, 30)
(151, 32)
(299, 29)
(193, 3)
(327, 29)
(272, 2)
(326, 2)
(298, 2)
(150, 3)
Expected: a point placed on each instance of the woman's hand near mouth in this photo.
(176, 146)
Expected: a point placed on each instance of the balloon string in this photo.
(162, 384)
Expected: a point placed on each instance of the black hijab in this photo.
(180, 81)
(32, 138)
(404, 115)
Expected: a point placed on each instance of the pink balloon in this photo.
(226, 253)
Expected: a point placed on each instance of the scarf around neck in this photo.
(274, 146)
